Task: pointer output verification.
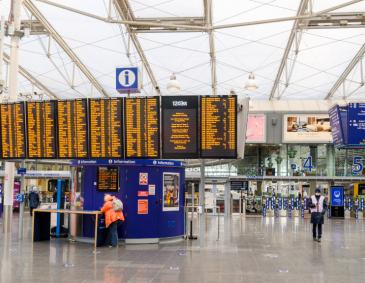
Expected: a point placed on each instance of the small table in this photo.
(42, 218)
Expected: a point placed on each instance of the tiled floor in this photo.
(249, 250)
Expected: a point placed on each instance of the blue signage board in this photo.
(337, 194)
(145, 162)
(343, 111)
(356, 124)
(22, 171)
(127, 80)
(336, 125)
(19, 197)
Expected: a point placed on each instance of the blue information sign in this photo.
(127, 80)
(336, 125)
(356, 123)
(22, 171)
(19, 197)
(337, 193)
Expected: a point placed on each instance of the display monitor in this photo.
(180, 127)
(142, 127)
(108, 179)
(72, 124)
(41, 129)
(106, 130)
(12, 123)
(218, 126)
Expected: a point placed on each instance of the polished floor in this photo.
(248, 250)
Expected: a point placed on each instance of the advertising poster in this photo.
(171, 184)
(337, 196)
(256, 128)
(307, 128)
(142, 206)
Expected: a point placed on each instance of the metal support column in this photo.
(8, 195)
(227, 199)
(21, 204)
(202, 201)
(2, 37)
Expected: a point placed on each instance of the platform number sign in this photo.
(308, 163)
(357, 165)
(127, 80)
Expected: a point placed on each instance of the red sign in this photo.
(142, 193)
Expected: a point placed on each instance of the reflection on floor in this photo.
(248, 250)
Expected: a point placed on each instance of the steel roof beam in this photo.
(62, 43)
(208, 14)
(337, 20)
(126, 13)
(168, 24)
(293, 38)
(341, 80)
(32, 79)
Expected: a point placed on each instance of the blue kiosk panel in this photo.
(152, 192)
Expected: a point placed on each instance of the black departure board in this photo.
(218, 122)
(72, 128)
(106, 130)
(41, 129)
(180, 127)
(108, 179)
(12, 122)
(142, 127)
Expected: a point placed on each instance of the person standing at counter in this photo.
(318, 205)
(113, 211)
(33, 200)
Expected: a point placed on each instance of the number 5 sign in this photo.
(357, 165)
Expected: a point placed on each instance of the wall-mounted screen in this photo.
(218, 125)
(106, 128)
(12, 122)
(108, 178)
(142, 127)
(72, 128)
(307, 128)
(256, 128)
(180, 127)
(41, 129)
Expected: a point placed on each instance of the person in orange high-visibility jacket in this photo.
(112, 219)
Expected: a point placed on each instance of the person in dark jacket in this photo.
(317, 205)
(33, 201)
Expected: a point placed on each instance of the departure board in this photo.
(218, 124)
(106, 131)
(142, 127)
(41, 129)
(72, 128)
(108, 179)
(180, 127)
(12, 122)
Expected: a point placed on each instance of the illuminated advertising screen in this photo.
(106, 130)
(218, 125)
(41, 129)
(307, 128)
(12, 122)
(142, 127)
(256, 128)
(180, 127)
(72, 128)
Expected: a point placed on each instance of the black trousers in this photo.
(317, 226)
(31, 210)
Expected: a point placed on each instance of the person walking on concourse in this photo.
(318, 205)
(113, 211)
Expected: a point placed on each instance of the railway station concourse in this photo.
(182, 141)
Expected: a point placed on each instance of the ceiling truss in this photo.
(62, 43)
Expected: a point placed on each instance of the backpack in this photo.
(117, 205)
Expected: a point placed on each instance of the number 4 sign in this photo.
(308, 163)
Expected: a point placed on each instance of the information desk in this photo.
(42, 222)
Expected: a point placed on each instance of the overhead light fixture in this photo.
(251, 83)
(173, 85)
